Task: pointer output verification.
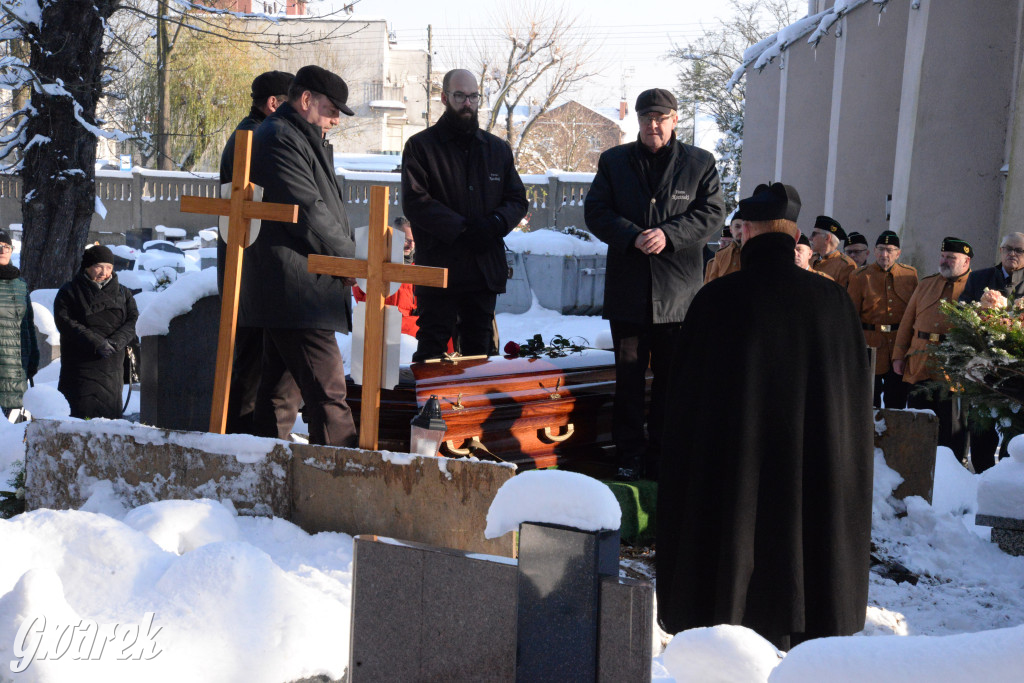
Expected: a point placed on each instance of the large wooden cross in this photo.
(240, 210)
(378, 272)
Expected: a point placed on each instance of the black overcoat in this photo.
(991, 278)
(446, 180)
(86, 317)
(295, 165)
(686, 204)
(227, 168)
(764, 505)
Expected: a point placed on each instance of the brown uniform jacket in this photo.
(838, 265)
(727, 260)
(923, 315)
(880, 298)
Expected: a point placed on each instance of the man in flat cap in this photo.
(880, 293)
(269, 91)
(462, 193)
(769, 463)
(727, 260)
(299, 311)
(857, 248)
(825, 239)
(923, 324)
(655, 202)
(1005, 278)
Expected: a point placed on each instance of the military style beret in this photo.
(829, 224)
(957, 246)
(803, 240)
(771, 202)
(656, 99)
(888, 238)
(328, 84)
(736, 216)
(271, 83)
(856, 238)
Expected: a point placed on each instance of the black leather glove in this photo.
(479, 235)
(106, 349)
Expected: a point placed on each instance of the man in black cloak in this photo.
(764, 512)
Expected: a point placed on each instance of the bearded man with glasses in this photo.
(655, 202)
(462, 193)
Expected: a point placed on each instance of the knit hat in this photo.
(831, 225)
(957, 246)
(888, 238)
(97, 254)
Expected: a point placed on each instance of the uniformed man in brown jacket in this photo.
(924, 324)
(880, 293)
(727, 259)
(825, 239)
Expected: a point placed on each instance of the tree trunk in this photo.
(163, 110)
(58, 176)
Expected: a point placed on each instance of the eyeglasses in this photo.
(460, 97)
(648, 119)
(6, 248)
(1016, 251)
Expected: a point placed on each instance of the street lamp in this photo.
(427, 429)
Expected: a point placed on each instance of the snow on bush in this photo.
(552, 497)
(720, 654)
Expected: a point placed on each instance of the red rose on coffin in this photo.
(511, 349)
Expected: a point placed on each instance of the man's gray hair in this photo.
(1006, 238)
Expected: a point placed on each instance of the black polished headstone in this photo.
(559, 592)
(177, 370)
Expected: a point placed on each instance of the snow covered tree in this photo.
(707, 64)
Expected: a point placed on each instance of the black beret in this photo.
(97, 254)
(5, 237)
(803, 240)
(656, 99)
(829, 224)
(270, 83)
(856, 238)
(771, 202)
(736, 216)
(329, 84)
(957, 246)
(888, 238)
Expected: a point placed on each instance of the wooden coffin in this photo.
(535, 412)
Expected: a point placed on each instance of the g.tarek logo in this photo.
(39, 640)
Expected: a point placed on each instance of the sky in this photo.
(631, 42)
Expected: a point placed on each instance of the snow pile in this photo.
(721, 654)
(587, 330)
(169, 232)
(963, 658)
(43, 400)
(956, 489)
(124, 251)
(45, 323)
(1001, 488)
(176, 300)
(247, 600)
(552, 497)
(553, 243)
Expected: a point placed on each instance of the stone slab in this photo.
(909, 442)
(624, 630)
(999, 522)
(422, 613)
(441, 501)
(1010, 541)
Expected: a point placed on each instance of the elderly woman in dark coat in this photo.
(19, 350)
(96, 319)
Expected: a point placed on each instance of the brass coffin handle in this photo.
(558, 438)
(474, 445)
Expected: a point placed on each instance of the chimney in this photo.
(623, 110)
(296, 8)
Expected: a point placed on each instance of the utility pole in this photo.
(430, 57)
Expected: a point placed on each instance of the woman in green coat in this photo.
(19, 350)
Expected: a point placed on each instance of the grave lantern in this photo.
(427, 429)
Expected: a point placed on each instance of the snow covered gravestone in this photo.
(1001, 499)
(560, 612)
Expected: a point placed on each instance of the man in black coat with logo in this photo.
(768, 463)
(462, 193)
(1006, 278)
(269, 91)
(655, 202)
(299, 311)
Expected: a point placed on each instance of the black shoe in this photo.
(627, 474)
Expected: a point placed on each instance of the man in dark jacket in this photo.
(269, 91)
(769, 462)
(1006, 278)
(462, 193)
(655, 202)
(299, 311)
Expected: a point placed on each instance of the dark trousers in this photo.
(306, 366)
(892, 387)
(952, 420)
(984, 443)
(245, 379)
(467, 316)
(638, 346)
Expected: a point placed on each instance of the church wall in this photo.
(760, 128)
